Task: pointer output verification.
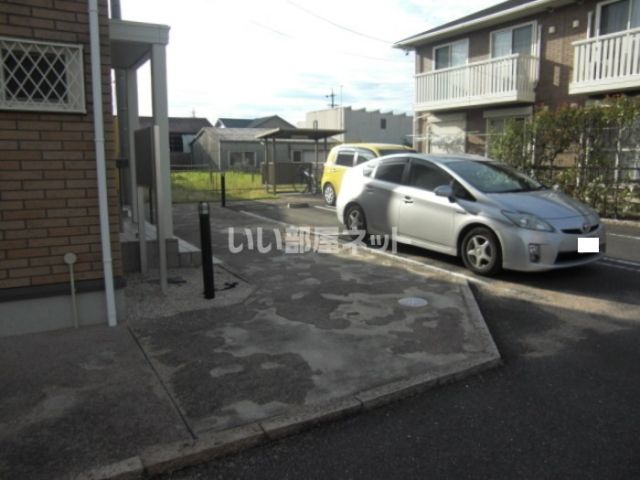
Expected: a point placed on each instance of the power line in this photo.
(342, 52)
(337, 25)
(271, 29)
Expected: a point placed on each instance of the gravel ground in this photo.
(185, 294)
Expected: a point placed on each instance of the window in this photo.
(494, 177)
(175, 142)
(242, 159)
(513, 40)
(41, 76)
(497, 125)
(618, 15)
(345, 159)
(383, 123)
(390, 171)
(296, 156)
(187, 138)
(451, 55)
(427, 177)
(364, 155)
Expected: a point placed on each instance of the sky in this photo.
(253, 58)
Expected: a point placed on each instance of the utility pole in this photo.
(332, 96)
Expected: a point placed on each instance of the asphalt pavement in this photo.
(563, 405)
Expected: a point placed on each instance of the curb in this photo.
(164, 458)
(616, 221)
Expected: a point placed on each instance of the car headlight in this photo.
(528, 221)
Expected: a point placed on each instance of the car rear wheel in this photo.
(481, 252)
(329, 195)
(355, 220)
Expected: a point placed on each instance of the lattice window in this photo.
(41, 76)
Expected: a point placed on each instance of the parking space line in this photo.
(266, 219)
(619, 267)
(620, 235)
(383, 253)
(328, 209)
(623, 262)
(430, 267)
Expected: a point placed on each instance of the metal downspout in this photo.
(101, 169)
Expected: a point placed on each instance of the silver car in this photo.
(489, 214)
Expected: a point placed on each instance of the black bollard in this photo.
(205, 247)
(223, 191)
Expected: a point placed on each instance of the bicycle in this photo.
(308, 180)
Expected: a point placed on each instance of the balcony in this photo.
(503, 80)
(607, 64)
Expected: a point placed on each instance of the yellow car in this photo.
(348, 155)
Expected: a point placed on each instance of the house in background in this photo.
(361, 125)
(274, 121)
(182, 131)
(58, 192)
(474, 73)
(241, 149)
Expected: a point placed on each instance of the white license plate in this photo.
(588, 245)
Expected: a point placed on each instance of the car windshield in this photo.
(494, 177)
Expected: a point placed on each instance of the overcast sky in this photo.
(253, 58)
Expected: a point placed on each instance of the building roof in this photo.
(233, 122)
(180, 124)
(236, 134)
(249, 122)
(299, 133)
(501, 12)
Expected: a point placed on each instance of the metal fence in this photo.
(200, 183)
(611, 186)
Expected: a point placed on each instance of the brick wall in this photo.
(48, 186)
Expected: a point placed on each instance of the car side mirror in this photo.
(445, 191)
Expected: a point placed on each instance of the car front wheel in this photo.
(329, 195)
(481, 252)
(355, 220)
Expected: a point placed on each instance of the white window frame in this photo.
(599, 17)
(74, 69)
(534, 37)
(449, 44)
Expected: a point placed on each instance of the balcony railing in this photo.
(607, 63)
(499, 80)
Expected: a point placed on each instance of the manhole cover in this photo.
(414, 302)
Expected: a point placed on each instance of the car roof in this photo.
(445, 158)
(375, 146)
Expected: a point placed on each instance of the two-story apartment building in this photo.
(507, 60)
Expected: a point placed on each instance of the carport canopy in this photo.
(314, 134)
(299, 134)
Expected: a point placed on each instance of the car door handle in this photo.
(408, 200)
(368, 189)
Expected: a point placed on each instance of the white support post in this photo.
(161, 119)
(142, 233)
(161, 218)
(134, 124)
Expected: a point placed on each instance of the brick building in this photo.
(502, 62)
(49, 152)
